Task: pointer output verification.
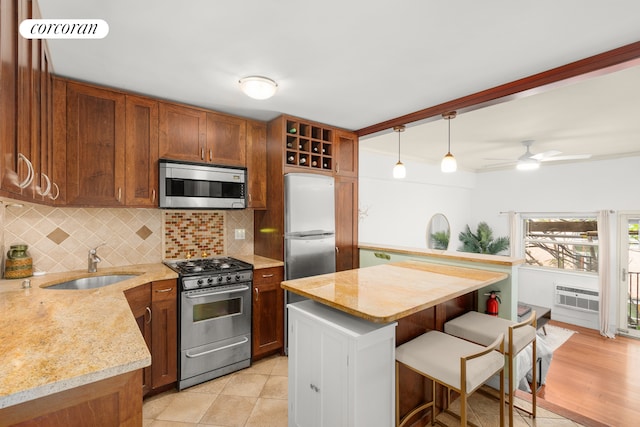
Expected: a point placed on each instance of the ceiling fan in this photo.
(530, 161)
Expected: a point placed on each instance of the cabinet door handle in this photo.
(265, 276)
(148, 311)
(337, 167)
(57, 192)
(27, 181)
(164, 290)
(210, 155)
(337, 250)
(249, 196)
(48, 181)
(257, 291)
(153, 195)
(202, 153)
(119, 193)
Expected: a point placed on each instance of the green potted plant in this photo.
(440, 240)
(482, 242)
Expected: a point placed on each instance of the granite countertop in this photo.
(388, 292)
(258, 261)
(55, 340)
(453, 255)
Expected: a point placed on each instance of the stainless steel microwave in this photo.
(187, 185)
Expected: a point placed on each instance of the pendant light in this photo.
(399, 171)
(449, 163)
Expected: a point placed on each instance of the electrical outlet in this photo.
(239, 233)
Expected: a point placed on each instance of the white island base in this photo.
(341, 368)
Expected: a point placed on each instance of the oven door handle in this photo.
(243, 341)
(228, 291)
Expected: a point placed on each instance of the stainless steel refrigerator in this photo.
(309, 230)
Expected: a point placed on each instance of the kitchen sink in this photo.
(92, 282)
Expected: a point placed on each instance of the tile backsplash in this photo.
(59, 238)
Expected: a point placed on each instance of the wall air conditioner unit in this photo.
(577, 298)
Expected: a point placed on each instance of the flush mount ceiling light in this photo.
(449, 163)
(258, 87)
(399, 171)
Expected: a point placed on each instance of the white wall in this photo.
(398, 211)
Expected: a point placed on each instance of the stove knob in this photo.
(200, 282)
(210, 280)
(228, 278)
(219, 278)
(237, 277)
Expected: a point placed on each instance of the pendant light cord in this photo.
(398, 145)
(449, 138)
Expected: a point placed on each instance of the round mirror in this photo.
(438, 232)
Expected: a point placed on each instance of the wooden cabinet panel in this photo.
(155, 307)
(24, 89)
(141, 151)
(182, 132)
(24, 107)
(226, 140)
(95, 146)
(164, 332)
(139, 299)
(268, 312)
(114, 401)
(346, 193)
(8, 100)
(346, 153)
(257, 164)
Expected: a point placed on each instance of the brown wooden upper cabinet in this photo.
(25, 108)
(226, 140)
(141, 162)
(257, 164)
(95, 146)
(345, 148)
(200, 136)
(182, 132)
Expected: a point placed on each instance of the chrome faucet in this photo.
(94, 259)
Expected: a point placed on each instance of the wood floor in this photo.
(595, 377)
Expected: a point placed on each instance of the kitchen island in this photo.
(419, 296)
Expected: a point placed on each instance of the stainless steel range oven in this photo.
(214, 317)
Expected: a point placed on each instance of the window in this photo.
(567, 243)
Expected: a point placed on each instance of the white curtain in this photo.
(604, 271)
(515, 234)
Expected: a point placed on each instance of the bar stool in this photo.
(482, 329)
(457, 364)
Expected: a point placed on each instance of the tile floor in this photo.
(252, 397)
(257, 397)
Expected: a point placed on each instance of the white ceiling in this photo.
(599, 116)
(356, 63)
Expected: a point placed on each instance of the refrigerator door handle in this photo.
(309, 235)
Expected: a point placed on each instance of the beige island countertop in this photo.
(56, 340)
(386, 293)
(469, 257)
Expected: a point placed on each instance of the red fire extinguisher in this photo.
(493, 303)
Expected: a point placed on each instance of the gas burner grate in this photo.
(209, 265)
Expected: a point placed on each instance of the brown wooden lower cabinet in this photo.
(155, 307)
(164, 333)
(268, 312)
(115, 401)
(139, 299)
